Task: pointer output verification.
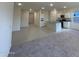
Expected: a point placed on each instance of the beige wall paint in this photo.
(53, 15)
(25, 18)
(17, 18)
(37, 18)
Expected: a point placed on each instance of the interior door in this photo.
(31, 18)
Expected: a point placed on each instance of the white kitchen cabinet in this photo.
(58, 27)
(66, 24)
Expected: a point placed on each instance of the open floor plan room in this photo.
(39, 29)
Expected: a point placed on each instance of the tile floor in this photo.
(28, 34)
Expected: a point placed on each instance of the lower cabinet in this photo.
(58, 27)
(66, 24)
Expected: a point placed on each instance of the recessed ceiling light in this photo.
(42, 7)
(65, 7)
(19, 4)
(51, 4)
(30, 9)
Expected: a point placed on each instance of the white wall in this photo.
(6, 17)
(25, 18)
(53, 15)
(37, 18)
(17, 18)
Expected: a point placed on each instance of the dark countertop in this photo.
(67, 20)
(63, 21)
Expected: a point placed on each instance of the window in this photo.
(76, 17)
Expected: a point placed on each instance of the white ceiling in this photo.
(57, 5)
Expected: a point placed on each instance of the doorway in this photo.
(31, 18)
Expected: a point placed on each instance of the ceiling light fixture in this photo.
(42, 7)
(19, 4)
(30, 9)
(65, 7)
(51, 4)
